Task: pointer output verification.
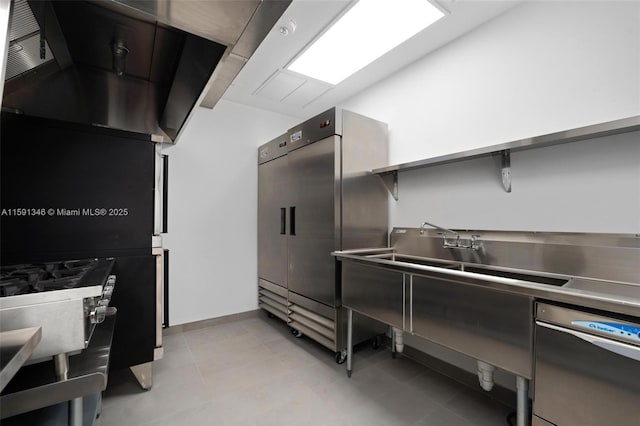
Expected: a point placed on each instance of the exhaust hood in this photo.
(140, 66)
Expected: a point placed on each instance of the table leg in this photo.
(349, 341)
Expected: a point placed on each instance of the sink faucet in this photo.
(436, 227)
(473, 243)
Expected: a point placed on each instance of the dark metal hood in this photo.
(139, 66)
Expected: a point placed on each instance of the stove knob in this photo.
(111, 280)
(100, 313)
(107, 292)
(104, 302)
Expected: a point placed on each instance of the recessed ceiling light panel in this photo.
(365, 32)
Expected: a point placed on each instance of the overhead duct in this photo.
(138, 66)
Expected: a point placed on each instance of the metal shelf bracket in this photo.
(504, 163)
(390, 181)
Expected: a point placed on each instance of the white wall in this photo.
(213, 210)
(539, 68)
(588, 186)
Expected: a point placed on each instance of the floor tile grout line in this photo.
(195, 364)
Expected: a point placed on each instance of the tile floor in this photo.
(255, 372)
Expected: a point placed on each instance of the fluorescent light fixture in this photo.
(365, 32)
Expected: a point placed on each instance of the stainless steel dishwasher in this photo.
(587, 368)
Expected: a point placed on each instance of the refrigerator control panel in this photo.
(295, 137)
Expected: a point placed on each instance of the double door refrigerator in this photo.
(316, 194)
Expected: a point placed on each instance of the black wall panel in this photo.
(70, 191)
(73, 191)
(134, 338)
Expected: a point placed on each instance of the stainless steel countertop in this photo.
(35, 386)
(15, 348)
(623, 298)
(50, 296)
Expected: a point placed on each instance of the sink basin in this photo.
(484, 270)
(415, 260)
(558, 282)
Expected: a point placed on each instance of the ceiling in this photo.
(265, 83)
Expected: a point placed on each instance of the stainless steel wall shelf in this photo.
(502, 152)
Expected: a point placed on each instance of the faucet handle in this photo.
(447, 243)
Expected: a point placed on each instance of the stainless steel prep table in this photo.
(474, 291)
(611, 296)
(35, 386)
(15, 348)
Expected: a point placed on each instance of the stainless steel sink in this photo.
(392, 256)
(447, 302)
(597, 271)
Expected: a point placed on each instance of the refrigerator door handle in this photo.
(283, 221)
(292, 221)
(165, 298)
(165, 191)
(159, 191)
(159, 252)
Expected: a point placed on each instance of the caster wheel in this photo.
(296, 333)
(376, 342)
(270, 315)
(349, 373)
(341, 357)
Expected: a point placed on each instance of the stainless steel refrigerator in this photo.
(316, 195)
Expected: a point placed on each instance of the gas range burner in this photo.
(66, 298)
(38, 277)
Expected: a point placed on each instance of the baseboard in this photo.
(499, 393)
(209, 322)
